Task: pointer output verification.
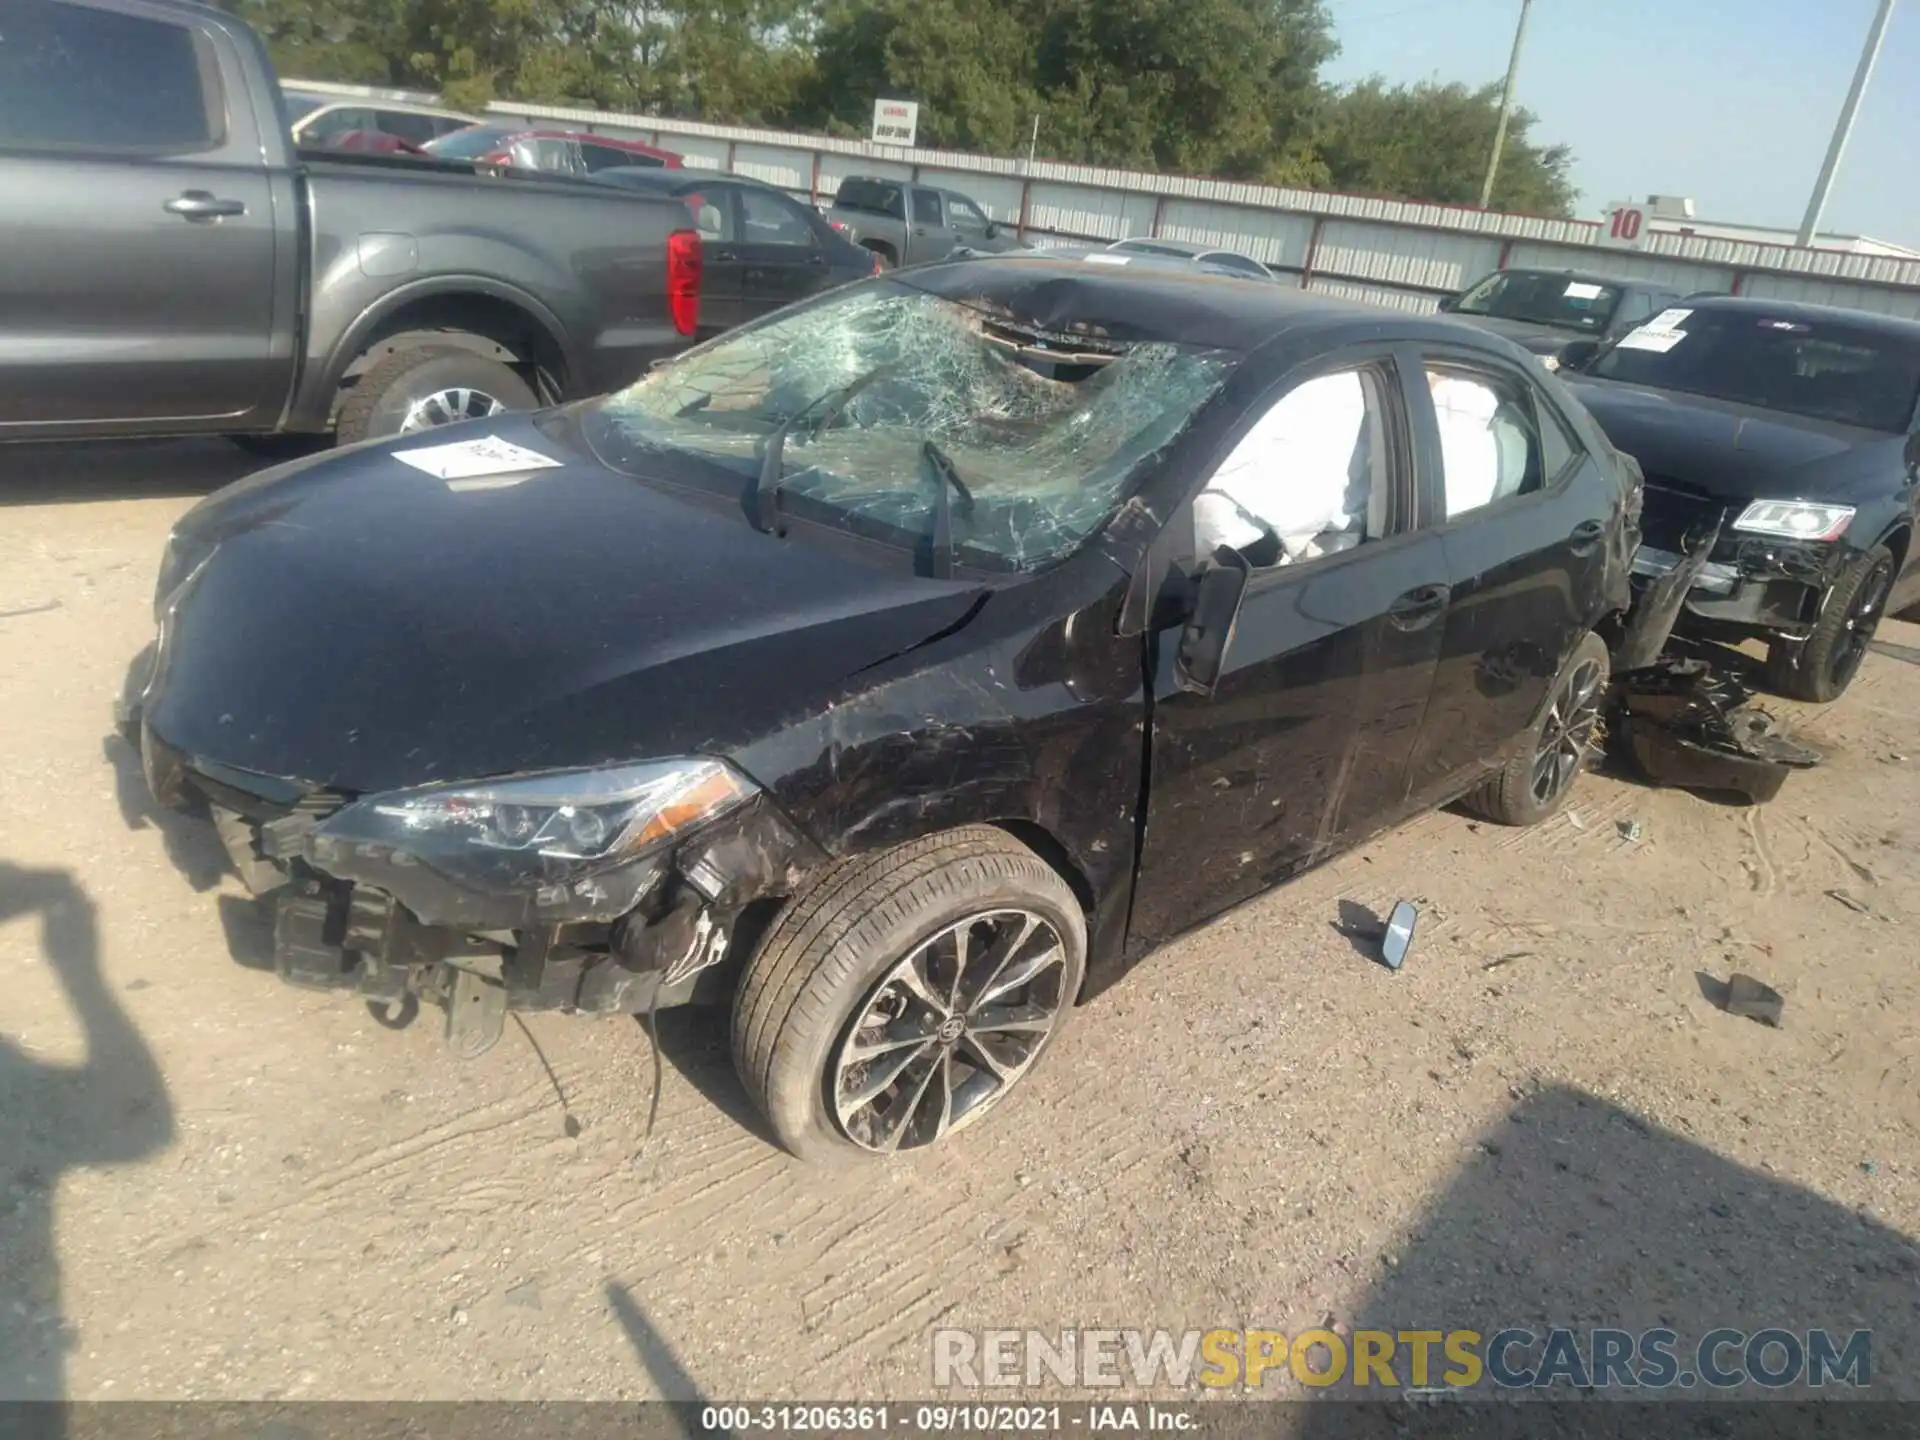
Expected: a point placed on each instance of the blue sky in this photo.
(1729, 101)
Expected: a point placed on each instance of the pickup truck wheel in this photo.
(1548, 758)
(1820, 668)
(903, 995)
(425, 387)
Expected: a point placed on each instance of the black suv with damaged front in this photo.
(1787, 438)
(898, 669)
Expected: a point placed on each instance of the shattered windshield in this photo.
(856, 393)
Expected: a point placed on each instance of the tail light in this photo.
(878, 265)
(683, 280)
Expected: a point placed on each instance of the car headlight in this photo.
(1795, 519)
(565, 845)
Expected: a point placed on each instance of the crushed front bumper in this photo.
(673, 947)
(1751, 585)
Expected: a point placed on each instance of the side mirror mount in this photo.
(993, 230)
(1578, 354)
(1202, 653)
(1449, 302)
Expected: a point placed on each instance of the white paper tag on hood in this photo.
(467, 459)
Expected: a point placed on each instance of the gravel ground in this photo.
(214, 1186)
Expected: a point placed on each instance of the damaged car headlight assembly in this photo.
(1795, 519)
(563, 845)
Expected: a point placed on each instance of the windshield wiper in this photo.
(766, 490)
(944, 475)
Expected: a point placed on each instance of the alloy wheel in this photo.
(448, 407)
(1863, 618)
(949, 1029)
(1567, 732)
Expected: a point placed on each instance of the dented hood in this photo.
(355, 623)
(1736, 451)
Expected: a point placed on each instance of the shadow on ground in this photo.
(77, 471)
(1576, 1213)
(110, 1109)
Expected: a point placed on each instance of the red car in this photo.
(557, 152)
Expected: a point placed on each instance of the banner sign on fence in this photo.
(895, 122)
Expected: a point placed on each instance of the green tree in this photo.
(1431, 142)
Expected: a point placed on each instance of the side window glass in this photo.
(1312, 477)
(1634, 310)
(767, 220)
(1559, 450)
(80, 78)
(967, 220)
(556, 156)
(332, 126)
(415, 129)
(1490, 445)
(605, 157)
(712, 213)
(926, 208)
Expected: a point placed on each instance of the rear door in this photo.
(780, 252)
(1303, 748)
(723, 267)
(137, 226)
(1524, 512)
(929, 237)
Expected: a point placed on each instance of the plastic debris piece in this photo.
(1632, 831)
(1754, 1000)
(1573, 819)
(1852, 902)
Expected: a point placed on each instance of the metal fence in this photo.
(1398, 253)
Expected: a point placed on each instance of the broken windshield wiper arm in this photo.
(944, 475)
(766, 490)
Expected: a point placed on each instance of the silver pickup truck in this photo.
(907, 224)
(169, 265)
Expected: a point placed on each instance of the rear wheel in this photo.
(425, 387)
(1821, 667)
(904, 995)
(1548, 758)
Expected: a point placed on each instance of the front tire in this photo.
(1548, 758)
(903, 995)
(423, 387)
(1820, 668)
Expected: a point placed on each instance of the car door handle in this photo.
(1418, 608)
(723, 255)
(1585, 534)
(921, 231)
(202, 205)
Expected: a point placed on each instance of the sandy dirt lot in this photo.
(212, 1185)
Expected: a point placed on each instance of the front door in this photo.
(782, 256)
(930, 237)
(1524, 513)
(1303, 747)
(137, 233)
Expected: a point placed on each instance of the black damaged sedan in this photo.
(897, 670)
(1786, 440)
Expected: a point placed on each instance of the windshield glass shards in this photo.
(1824, 370)
(1542, 298)
(881, 406)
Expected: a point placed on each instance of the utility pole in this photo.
(1844, 128)
(1506, 105)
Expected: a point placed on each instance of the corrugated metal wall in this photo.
(1397, 253)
